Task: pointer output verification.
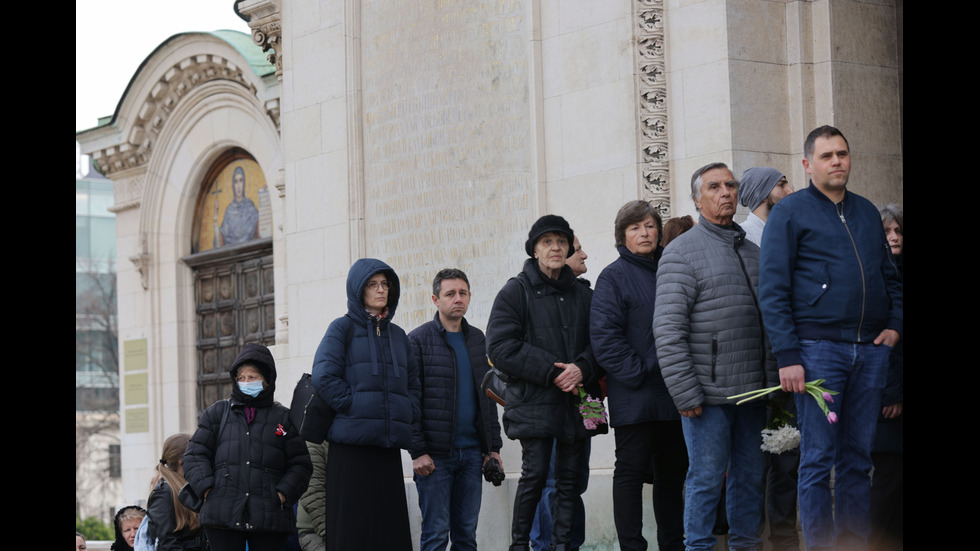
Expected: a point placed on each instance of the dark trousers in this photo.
(642, 447)
(887, 502)
(536, 458)
(234, 540)
(781, 481)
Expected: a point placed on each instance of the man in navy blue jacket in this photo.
(831, 301)
(458, 431)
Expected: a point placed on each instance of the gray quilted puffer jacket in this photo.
(707, 323)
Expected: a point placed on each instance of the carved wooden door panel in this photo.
(235, 305)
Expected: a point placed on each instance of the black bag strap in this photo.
(526, 291)
(224, 419)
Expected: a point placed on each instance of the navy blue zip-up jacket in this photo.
(364, 369)
(622, 340)
(827, 273)
(434, 432)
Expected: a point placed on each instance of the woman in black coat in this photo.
(170, 523)
(647, 424)
(888, 451)
(247, 461)
(538, 336)
(127, 522)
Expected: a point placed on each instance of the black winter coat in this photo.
(244, 465)
(622, 340)
(163, 521)
(434, 432)
(526, 335)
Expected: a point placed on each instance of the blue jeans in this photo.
(858, 373)
(541, 527)
(449, 499)
(725, 438)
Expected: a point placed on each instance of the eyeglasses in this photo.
(372, 285)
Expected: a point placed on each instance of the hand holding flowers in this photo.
(813, 388)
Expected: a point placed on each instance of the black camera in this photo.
(493, 472)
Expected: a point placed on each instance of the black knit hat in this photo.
(545, 224)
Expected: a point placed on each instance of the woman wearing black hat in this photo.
(247, 461)
(538, 336)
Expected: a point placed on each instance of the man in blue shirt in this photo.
(458, 431)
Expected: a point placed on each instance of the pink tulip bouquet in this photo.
(592, 409)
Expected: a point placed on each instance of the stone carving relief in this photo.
(128, 193)
(160, 102)
(142, 262)
(265, 20)
(652, 93)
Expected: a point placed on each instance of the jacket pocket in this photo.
(714, 356)
(813, 285)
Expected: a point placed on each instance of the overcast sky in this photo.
(112, 38)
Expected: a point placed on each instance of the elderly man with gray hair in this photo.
(760, 189)
(711, 345)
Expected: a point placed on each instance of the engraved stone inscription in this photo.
(447, 171)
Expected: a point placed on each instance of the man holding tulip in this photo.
(831, 301)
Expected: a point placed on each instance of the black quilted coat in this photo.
(434, 432)
(526, 335)
(245, 465)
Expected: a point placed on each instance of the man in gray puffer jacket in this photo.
(711, 345)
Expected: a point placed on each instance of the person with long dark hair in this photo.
(171, 524)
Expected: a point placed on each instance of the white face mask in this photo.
(252, 388)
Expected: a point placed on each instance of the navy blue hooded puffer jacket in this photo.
(364, 369)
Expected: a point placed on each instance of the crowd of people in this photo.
(688, 315)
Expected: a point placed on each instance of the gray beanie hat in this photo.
(756, 184)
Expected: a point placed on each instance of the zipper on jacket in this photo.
(384, 383)
(857, 255)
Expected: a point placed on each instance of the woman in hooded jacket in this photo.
(365, 371)
(127, 522)
(171, 524)
(247, 462)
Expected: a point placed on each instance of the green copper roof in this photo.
(249, 50)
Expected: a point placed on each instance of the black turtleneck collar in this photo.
(645, 262)
(565, 281)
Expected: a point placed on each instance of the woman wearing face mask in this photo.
(247, 461)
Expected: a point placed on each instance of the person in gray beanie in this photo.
(761, 188)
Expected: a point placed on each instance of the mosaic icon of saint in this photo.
(241, 220)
